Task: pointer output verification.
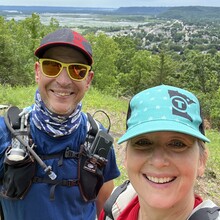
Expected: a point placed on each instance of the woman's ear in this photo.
(125, 155)
(202, 162)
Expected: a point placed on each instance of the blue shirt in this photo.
(68, 203)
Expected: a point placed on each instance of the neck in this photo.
(177, 212)
(53, 124)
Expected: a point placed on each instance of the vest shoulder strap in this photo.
(118, 200)
(208, 213)
(112, 199)
(13, 115)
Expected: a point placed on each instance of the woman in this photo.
(165, 154)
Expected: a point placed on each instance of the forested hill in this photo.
(141, 10)
(192, 12)
(184, 13)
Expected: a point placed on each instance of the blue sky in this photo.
(111, 3)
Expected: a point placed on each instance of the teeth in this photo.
(159, 180)
(63, 94)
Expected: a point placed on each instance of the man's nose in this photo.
(63, 78)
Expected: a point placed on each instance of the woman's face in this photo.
(163, 167)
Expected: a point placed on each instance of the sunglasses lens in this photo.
(51, 68)
(78, 71)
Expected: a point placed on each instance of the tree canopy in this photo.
(122, 67)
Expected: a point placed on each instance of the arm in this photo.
(103, 195)
(5, 141)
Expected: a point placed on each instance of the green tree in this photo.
(127, 47)
(141, 75)
(167, 71)
(105, 54)
(200, 73)
(18, 40)
(7, 49)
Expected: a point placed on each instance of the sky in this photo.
(111, 3)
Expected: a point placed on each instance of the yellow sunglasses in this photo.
(52, 68)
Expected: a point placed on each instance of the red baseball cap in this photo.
(65, 37)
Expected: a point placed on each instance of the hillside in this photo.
(141, 10)
(192, 13)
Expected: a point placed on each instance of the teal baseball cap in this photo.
(164, 108)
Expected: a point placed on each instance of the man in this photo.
(57, 125)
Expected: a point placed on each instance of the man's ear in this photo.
(89, 79)
(37, 71)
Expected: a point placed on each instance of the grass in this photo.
(19, 96)
(214, 161)
(116, 108)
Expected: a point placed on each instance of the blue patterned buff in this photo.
(53, 124)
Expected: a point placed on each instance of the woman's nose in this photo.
(159, 157)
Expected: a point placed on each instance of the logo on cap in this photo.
(78, 40)
(180, 104)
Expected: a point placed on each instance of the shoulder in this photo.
(2, 123)
(206, 204)
(131, 211)
(206, 208)
(125, 198)
(4, 134)
(122, 199)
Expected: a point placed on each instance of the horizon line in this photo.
(108, 7)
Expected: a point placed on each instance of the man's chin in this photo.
(60, 111)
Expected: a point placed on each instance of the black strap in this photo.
(63, 182)
(71, 154)
(111, 200)
(206, 214)
(65, 154)
(94, 127)
(55, 183)
(1, 213)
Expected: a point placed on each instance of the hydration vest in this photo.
(19, 174)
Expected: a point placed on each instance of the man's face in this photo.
(62, 94)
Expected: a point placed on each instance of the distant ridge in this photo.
(185, 12)
(192, 13)
(89, 10)
(49, 9)
(141, 10)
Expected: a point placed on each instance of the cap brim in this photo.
(155, 126)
